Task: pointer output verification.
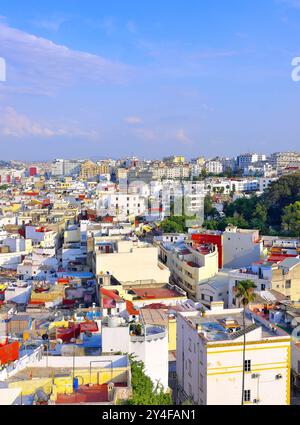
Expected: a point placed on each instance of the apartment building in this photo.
(210, 359)
(128, 261)
(285, 159)
(124, 204)
(260, 274)
(214, 166)
(65, 167)
(236, 247)
(241, 247)
(189, 267)
(286, 278)
(89, 170)
(247, 159)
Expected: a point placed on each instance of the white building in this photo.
(210, 359)
(245, 160)
(264, 182)
(121, 205)
(128, 261)
(214, 166)
(189, 267)
(41, 235)
(151, 347)
(241, 247)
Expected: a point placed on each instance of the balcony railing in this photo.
(151, 337)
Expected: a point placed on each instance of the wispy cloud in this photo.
(133, 120)
(182, 137)
(38, 64)
(18, 125)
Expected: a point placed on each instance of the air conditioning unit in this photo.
(279, 376)
(255, 375)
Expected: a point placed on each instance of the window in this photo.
(262, 287)
(247, 395)
(288, 284)
(247, 366)
(172, 376)
(190, 344)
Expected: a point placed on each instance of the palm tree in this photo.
(244, 291)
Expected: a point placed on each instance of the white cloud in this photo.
(181, 137)
(15, 124)
(133, 120)
(39, 65)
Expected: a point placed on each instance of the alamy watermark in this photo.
(2, 70)
(296, 71)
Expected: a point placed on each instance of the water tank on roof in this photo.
(113, 321)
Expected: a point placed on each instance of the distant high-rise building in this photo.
(285, 159)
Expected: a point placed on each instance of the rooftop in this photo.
(228, 325)
(156, 293)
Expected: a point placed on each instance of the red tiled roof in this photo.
(88, 326)
(108, 303)
(131, 310)
(156, 306)
(110, 294)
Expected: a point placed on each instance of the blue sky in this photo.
(150, 78)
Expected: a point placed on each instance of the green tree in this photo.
(143, 390)
(280, 194)
(244, 291)
(209, 210)
(291, 218)
(259, 217)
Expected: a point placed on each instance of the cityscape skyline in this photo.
(148, 81)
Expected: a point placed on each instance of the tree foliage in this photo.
(275, 211)
(144, 392)
(291, 218)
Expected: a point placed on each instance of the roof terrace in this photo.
(229, 326)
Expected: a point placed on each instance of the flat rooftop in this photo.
(229, 326)
(83, 362)
(156, 293)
